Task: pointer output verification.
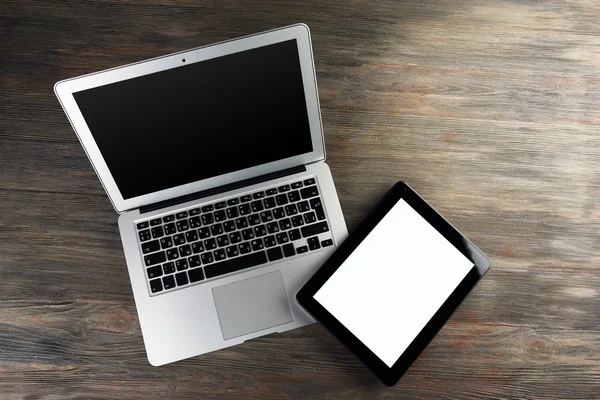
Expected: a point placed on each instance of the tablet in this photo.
(391, 286)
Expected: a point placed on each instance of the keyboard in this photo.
(202, 243)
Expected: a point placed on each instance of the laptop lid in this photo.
(199, 119)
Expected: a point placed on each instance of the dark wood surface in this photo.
(489, 109)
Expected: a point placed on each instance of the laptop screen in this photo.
(200, 120)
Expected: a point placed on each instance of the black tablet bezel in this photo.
(305, 296)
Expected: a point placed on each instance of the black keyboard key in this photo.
(185, 250)
(195, 222)
(169, 267)
(248, 234)
(179, 239)
(142, 225)
(303, 206)
(197, 247)
(257, 244)
(219, 254)
(258, 195)
(310, 181)
(275, 254)
(194, 211)
(155, 258)
(260, 231)
(288, 250)
(157, 232)
(245, 209)
(166, 242)
(210, 244)
(254, 219)
(191, 236)
(170, 229)
(223, 240)
(182, 225)
(313, 243)
(168, 282)
(327, 243)
(194, 261)
(310, 217)
(266, 216)
(204, 232)
(220, 205)
(207, 208)
(154, 272)
(172, 254)
(281, 199)
(149, 247)
(291, 209)
(182, 214)
(316, 203)
(232, 212)
(269, 202)
(296, 185)
(294, 196)
(284, 188)
(216, 229)
(302, 249)
(257, 206)
(181, 264)
(244, 248)
(232, 251)
(271, 192)
(235, 237)
(270, 241)
(233, 202)
(155, 222)
(207, 258)
(309, 192)
(285, 224)
(235, 264)
(273, 227)
(168, 218)
(241, 223)
(320, 213)
(278, 213)
(282, 238)
(156, 286)
(220, 215)
(297, 221)
(295, 234)
(229, 226)
(196, 275)
(207, 219)
(246, 198)
(314, 229)
(181, 278)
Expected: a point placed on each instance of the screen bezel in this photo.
(305, 296)
(64, 91)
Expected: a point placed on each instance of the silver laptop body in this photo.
(214, 159)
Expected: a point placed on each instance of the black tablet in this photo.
(391, 286)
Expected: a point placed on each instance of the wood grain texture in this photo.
(488, 109)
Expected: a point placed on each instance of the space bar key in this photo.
(235, 264)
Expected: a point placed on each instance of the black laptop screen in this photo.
(200, 120)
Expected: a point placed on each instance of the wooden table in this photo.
(489, 109)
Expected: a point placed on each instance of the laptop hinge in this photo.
(221, 189)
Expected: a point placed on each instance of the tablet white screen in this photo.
(384, 298)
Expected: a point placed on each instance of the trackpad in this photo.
(252, 305)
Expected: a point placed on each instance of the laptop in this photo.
(215, 160)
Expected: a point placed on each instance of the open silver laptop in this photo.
(214, 158)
